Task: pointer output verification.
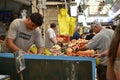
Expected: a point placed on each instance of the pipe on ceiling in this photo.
(25, 2)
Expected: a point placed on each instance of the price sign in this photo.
(19, 59)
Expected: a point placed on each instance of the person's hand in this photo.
(96, 55)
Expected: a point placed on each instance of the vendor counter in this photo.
(39, 67)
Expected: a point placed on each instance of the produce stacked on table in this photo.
(73, 49)
(65, 47)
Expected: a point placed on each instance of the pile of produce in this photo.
(75, 45)
(67, 48)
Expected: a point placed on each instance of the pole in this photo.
(66, 5)
(21, 75)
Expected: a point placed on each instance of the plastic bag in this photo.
(72, 25)
(63, 22)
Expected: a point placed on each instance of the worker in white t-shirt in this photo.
(50, 37)
(23, 33)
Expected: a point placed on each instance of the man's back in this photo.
(49, 34)
(101, 42)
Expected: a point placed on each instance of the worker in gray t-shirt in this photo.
(23, 33)
(100, 42)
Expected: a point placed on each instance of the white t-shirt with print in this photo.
(23, 37)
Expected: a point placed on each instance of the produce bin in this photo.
(39, 67)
